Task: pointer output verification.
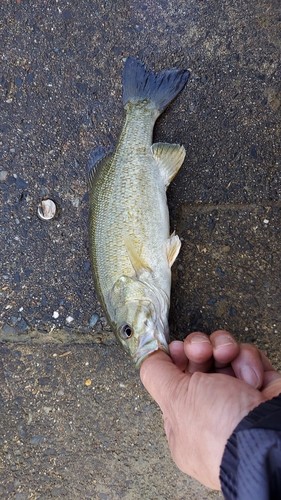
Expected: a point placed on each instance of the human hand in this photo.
(204, 390)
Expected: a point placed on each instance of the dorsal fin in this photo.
(97, 158)
(169, 158)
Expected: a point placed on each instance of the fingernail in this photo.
(199, 339)
(176, 342)
(249, 376)
(223, 340)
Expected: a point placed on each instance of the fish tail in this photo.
(141, 84)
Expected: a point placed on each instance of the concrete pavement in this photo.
(60, 90)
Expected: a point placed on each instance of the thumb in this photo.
(162, 378)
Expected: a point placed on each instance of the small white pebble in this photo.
(55, 314)
(265, 221)
(47, 209)
(69, 319)
(47, 409)
(3, 175)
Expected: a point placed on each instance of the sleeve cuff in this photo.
(251, 463)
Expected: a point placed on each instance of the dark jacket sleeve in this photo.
(251, 464)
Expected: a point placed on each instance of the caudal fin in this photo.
(140, 83)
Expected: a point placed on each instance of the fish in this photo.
(131, 248)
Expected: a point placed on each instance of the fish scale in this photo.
(132, 182)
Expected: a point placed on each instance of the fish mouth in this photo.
(148, 344)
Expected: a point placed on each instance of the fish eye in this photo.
(126, 331)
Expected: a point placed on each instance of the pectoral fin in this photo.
(173, 247)
(136, 259)
(169, 158)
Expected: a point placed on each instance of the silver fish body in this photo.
(131, 248)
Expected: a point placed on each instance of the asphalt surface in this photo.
(60, 91)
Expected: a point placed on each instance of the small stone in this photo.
(43, 381)
(226, 249)
(69, 319)
(37, 439)
(87, 266)
(22, 431)
(3, 175)
(93, 320)
(50, 452)
(75, 202)
(22, 325)
(14, 320)
(47, 409)
(8, 330)
(18, 81)
(266, 221)
(88, 382)
(20, 183)
(56, 314)
(17, 278)
(47, 209)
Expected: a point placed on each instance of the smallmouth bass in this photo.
(131, 248)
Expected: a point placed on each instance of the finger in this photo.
(178, 355)
(273, 386)
(199, 351)
(266, 363)
(248, 366)
(162, 379)
(226, 370)
(269, 377)
(225, 348)
(270, 374)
